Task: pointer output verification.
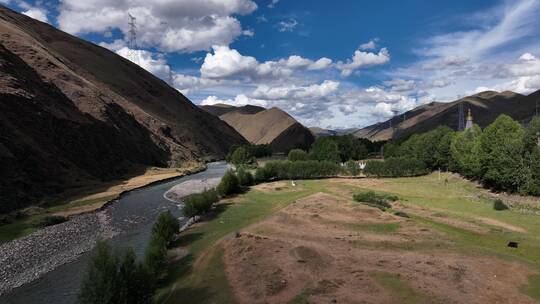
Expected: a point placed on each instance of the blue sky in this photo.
(332, 64)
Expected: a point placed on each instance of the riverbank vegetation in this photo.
(117, 277)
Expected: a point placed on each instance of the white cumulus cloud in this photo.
(362, 59)
(169, 25)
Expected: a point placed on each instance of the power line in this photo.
(132, 39)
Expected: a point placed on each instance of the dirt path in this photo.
(327, 249)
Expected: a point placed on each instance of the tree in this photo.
(155, 258)
(136, 284)
(245, 178)
(531, 154)
(101, 283)
(229, 184)
(298, 155)
(390, 150)
(502, 164)
(325, 148)
(464, 151)
(241, 156)
(166, 226)
(530, 136)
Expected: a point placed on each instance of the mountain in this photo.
(320, 132)
(220, 109)
(73, 112)
(265, 126)
(485, 108)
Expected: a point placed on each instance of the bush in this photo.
(376, 200)
(499, 205)
(298, 155)
(51, 220)
(166, 226)
(199, 203)
(229, 184)
(352, 168)
(245, 178)
(401, 214)
(395, 167)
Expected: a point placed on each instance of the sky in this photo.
(332, 64)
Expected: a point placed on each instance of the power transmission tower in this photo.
(132, 39)
(171, 76)
(461, 117)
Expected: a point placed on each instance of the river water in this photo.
(132, 216)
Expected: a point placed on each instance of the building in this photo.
(469, 122)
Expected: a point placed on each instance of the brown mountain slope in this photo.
(272, 126)
(220, 109)
(72, 111)
(485, 108)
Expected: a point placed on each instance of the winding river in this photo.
(132, 216)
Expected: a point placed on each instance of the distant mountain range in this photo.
(320, 132)
(264, 126)
(72, 112)
(485, 108)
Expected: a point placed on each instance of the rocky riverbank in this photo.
(26, 259)
(176, 193)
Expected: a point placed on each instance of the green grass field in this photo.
(199, 278)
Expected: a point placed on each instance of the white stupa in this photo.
(469, 122)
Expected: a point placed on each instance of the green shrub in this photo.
(245, 178)
(199, 203)
(401, 214)
(377, 200)
(352, 168)
(51, 220)
(499, 205)
(229, 184)
(166, 226)
(298, 155)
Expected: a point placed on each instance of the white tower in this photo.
(469, 122)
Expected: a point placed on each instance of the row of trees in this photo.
(395, 167)
(275, 170)
(504, 156)
(332, 148)
(117, 277)
(338, 149)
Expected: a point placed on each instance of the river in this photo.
(132, 216)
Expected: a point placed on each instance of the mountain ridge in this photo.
(485, 107)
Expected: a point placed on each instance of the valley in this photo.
(312, 243)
